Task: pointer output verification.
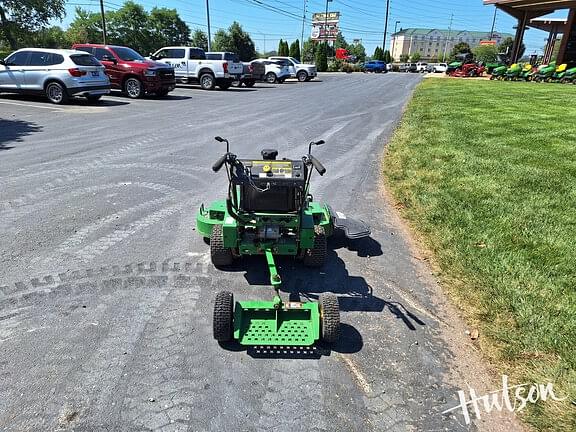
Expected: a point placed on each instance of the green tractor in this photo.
(269, 211)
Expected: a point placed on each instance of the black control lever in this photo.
(218, 165)
(319, 167)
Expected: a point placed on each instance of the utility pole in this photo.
(103, 22)
(386, 25)
(208, 20)
(303, 21)
(493, 23)
(449, 34)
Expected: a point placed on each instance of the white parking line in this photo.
(33, 106)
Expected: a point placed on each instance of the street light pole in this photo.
(326, 25)
(394, 40)
(208, 21)
(303, 20)
(449, 34)
(264, 36)
(493, 23)
(103, 22)
(386, 25)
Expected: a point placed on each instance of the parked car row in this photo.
(419, 67)
(92, 70)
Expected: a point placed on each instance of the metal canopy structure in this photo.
(554, 27)
(526, 10)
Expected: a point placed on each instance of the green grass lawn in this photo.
(485, 172)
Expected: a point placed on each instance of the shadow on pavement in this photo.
(74, 101)
(14, 131)
(349, 342)
(306, 284)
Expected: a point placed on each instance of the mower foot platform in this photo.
(353, 228)
(259, 323)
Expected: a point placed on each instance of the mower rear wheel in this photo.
(316, 257)
(223, 324)
(329, 317)
(221, 256)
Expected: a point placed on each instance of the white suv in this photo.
(58, 74)
(302, 71)
(277, 71)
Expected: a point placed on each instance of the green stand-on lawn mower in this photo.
(269, 211)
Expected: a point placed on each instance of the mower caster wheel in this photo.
(223, 316)
(329, 318)
(220, 255)
(316, 257)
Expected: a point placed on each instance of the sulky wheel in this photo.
(329, 318)
(220, 255)
(223, 323)
(316, 256)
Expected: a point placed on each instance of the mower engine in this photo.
(269, 232)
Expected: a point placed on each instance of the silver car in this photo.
(58, 74)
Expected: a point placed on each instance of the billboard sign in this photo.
(321, 17)
(325, 28)
(487, 42)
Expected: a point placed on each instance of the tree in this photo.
(309, 51)
(387, 57)
(321, 58)
(23, 16)
(199, 39)
(404, 58)
(486, 53)
(167, 28)
(283, 49)
(51, 37)
(416, 57)
(357, 50)
(235, 40)
(340, 42)
(506, 47)
(295, 49)
(129, 26)
(460, 48)
(86, 27)
(378, 55)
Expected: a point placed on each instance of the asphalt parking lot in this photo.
(106, 290)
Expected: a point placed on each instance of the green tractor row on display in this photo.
(269, 211)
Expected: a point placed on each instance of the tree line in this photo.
(25, 23)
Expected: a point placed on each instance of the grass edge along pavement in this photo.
(485, 174)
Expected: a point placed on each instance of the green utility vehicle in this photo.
(269, 211)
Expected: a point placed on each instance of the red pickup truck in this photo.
(130, 72)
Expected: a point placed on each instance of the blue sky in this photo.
(359, 19)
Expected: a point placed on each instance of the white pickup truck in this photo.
(191, 66)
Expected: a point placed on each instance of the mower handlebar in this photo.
(319, 167)
(218, 165)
